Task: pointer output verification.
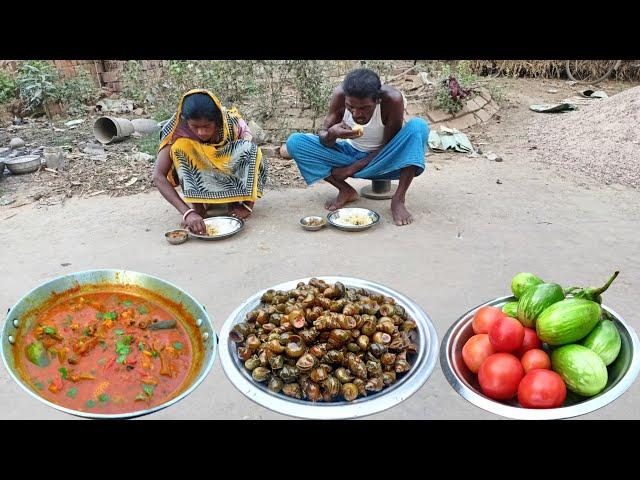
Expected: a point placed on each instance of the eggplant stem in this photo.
(602, 289)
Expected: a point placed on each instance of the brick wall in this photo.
(111, 78)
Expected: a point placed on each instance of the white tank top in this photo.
(373, 132)
(373, 135)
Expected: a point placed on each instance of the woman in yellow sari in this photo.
(207, 150)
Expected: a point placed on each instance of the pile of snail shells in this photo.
(325, 342)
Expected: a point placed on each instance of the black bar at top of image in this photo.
(462, 36)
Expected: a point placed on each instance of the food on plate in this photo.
(354, 220)
(212, 231)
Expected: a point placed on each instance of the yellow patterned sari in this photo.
(228, 169)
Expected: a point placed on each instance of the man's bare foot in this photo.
(347, 194)
(238, 211)
(401, 215)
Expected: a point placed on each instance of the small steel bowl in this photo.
(337, 219)
(176, 237)
(622, 373)
(305, 222)
(410, 383)
(23, 164)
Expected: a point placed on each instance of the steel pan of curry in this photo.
(108, 343)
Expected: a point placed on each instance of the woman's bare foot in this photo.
(238, 211)
(401, 215)
(346, 194)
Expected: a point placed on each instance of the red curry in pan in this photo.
(107, 353)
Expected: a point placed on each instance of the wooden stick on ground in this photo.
(401, 74)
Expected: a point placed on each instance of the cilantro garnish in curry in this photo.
(106, 353)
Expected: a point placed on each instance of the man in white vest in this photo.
(363, 136)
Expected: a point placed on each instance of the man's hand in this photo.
(342, 130)
(342, 173)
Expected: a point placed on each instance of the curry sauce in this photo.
(106, 353)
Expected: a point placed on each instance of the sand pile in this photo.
(601, 139)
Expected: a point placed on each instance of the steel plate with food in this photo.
(353, 219)
(220, 227)
(108, 343)
(328, 347)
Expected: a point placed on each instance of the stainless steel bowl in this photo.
(175, 239)
(23, 164)
(305, 223)
(338, 218)
(24, 312)
(226, 226)
(622, 373)
(4, 151)
(421, 368)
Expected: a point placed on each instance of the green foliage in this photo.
(463, 74)
(497, 93)
(36, 84)
(255, 87)
(310, 79)
(77, 92)
(149, 144)
(8, 87)
(445, 102)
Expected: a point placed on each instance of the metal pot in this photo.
(405, 387)
(622, 372)
(23, 164)
(199, 327)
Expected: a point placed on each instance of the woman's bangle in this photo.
(184, 215)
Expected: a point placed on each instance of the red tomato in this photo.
(530, 342)
(485, 318)
(506, 334)
(535, 358)
(542, 389)
(500, 375)
(476, 351)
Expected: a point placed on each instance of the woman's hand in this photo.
(195, 223)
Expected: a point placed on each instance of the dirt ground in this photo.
(478, 222)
